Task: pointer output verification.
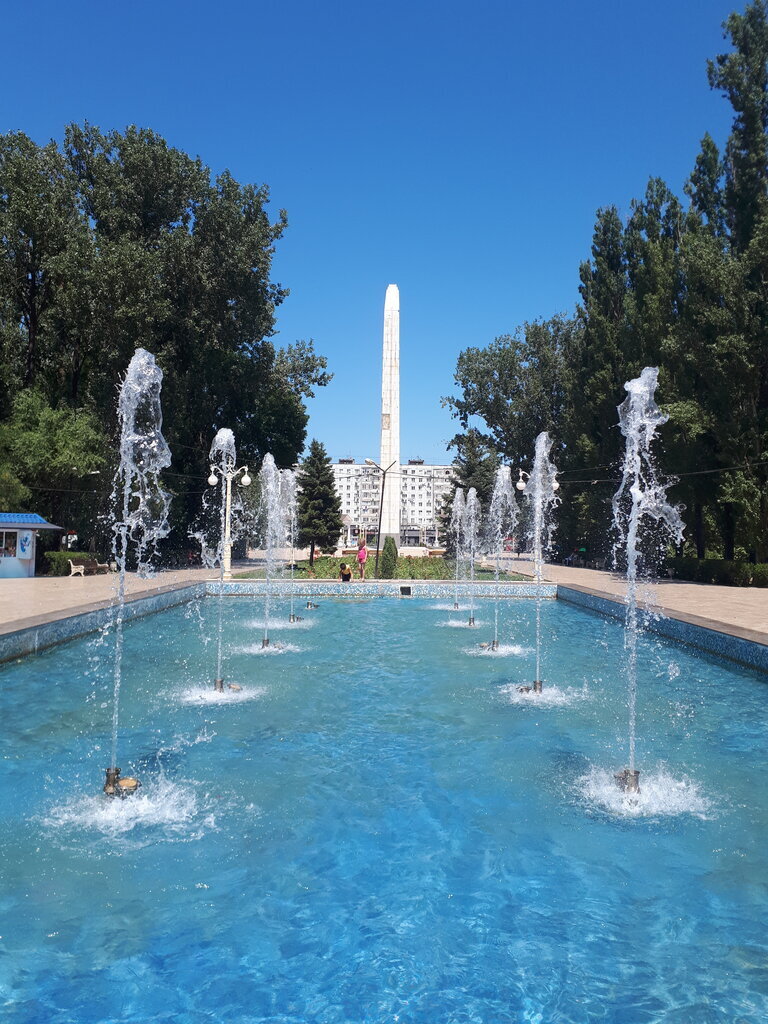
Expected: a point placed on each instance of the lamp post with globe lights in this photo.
(226, 472)
(370, 462)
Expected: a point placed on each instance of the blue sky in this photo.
(459, 150)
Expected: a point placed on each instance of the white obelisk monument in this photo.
(390, 417)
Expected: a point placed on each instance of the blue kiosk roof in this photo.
(30, 520)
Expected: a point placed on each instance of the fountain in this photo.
(471, 536)
(457, 533)
(273, 516)
(141, 510)
(640, 496)
(540, 487)
(223, 458)
(502, 521)
(290, 507)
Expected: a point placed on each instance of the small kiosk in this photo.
(18, 534)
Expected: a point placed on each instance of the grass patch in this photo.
(407, 568)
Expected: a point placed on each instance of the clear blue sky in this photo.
(458, 150)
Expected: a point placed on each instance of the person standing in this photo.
(362, 555)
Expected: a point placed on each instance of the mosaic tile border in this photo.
(711, 641)
(382, 588)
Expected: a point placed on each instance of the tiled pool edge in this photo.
(33, 639)
(437, 590)
(711, 641)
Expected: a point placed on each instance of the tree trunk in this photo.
(311, 553)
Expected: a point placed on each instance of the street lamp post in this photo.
(383, 472)
(226, 472)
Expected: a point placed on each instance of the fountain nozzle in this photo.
(471, 620)
(295, 618)
(494, 645)
(218, 685)
(110, 786)
(537, 686)
(265, 642)
(115, 786)
(628, 780)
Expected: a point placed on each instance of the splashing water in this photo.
(274, 527)
(660, 796)
(502, 522)
(541, 493)
(223, 455)
(641, 497)
(289, 504)
(457, 532)
(553, 696)
(141, 504)
(471, 543)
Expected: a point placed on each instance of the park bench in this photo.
(90, 567)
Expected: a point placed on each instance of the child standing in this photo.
(362, 554)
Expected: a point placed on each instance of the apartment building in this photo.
(422, 491)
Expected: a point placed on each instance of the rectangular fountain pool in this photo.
(379, 827)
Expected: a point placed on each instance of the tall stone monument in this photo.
(390, 416)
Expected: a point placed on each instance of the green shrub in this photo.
(58, 561)
(760, 575)
(719, 571)
(388, 560)
(740, 574)
(706, 570)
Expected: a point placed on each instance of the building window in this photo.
(8, 540)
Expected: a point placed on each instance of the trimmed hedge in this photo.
(58, 561)
(720, 571)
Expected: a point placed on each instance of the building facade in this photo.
(422, 490)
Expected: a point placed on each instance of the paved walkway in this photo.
(31, 602)
(738, 611)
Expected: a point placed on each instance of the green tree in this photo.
(53, 459)
(319, 508)
(117, 239)
(742, 76)
(388, 563)
(517, 385)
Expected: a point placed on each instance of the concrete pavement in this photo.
(737, 611)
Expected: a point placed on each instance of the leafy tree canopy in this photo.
(116, 240)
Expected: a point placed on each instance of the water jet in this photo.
(640, 496)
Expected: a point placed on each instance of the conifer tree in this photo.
(388, 559)
(319, 507)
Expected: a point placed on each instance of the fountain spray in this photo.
(273, 519)
(471, 524)
(141, 509)
(290, 508)
(502, 517)
(457, 531)
(540, 487)
(641, 496)
(223, 459)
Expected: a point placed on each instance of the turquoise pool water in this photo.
(379, 828)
